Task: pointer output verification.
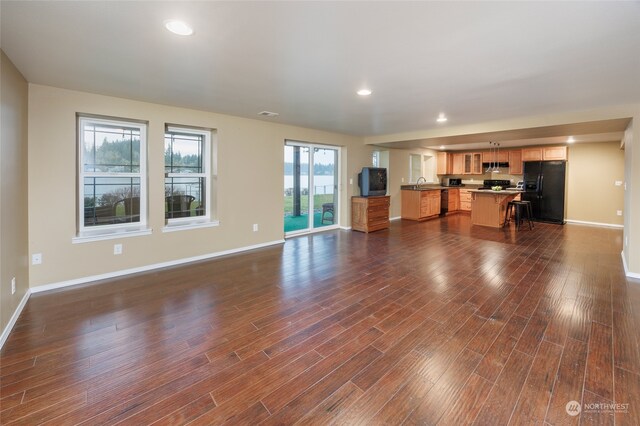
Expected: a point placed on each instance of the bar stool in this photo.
(520, 209)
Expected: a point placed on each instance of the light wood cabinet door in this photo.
(554, 153)
(476, 166)
(493, 156)
(532, 154)
(515, 162)
(468, 163)
(454, 200)
(433, 198)
(445, 163)
(458, 164)
(465, 200)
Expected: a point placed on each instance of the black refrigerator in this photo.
(544, 187)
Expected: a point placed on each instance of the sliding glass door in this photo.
(310, 187)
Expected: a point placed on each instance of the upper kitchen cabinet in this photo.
(457, 167)
(445, 163)
(532, 154)
(554, 153)
(472, 163)
(515, 162)
(493, 157)
(544, 153)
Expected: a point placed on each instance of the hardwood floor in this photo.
(425, 323)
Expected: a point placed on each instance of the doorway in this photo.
(311, 191)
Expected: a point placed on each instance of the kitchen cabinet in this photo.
(445, 163)
(532, 154)
(420, 205)
(476, 164)
(554, 153)
(515, 162)
(544, 153)
(465, 200)
(472, 163)
(454, 200)
(492, 156)
(457, 167)
(370, 214)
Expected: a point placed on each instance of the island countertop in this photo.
(502, 191)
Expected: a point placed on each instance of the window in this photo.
(112, 176)
(415, 167)
(375, 159)
(187, 167)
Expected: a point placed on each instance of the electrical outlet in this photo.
(619, 212)
(255, 227)
(350, 181)
(402, 180)
(618, 183)
(36, 259)
(13, 285)
(117, 249)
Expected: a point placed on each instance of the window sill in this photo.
(191, 225)
(111, 236)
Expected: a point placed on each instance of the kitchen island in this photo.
(488, 207)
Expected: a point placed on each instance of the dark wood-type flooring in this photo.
(425, 323)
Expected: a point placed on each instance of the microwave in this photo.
(451, 181)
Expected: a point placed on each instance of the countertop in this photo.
(502, 191)
(425, 187)
(434, 187)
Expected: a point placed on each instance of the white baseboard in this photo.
(629, 274)
(603, 225)
(85, 280)
(395, 218)
(12, 321)
(346, 228)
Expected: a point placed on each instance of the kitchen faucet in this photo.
(423, 180)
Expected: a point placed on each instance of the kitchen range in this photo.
(487, 184)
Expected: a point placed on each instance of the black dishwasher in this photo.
(444, 201)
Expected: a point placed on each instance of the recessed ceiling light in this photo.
(441, 146)
(364, 92)
(571, 139)
(178, 27)
(441, 118)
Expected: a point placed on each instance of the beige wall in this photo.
(249, 181)
(592, 170)
(13, 193)
(631, 244)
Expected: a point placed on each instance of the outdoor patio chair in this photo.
(179, 206)
(327, 208)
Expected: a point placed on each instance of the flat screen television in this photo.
(372, 181)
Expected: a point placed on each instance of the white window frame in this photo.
(94, 233)
(207, 164)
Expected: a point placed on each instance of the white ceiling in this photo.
(474, 61)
